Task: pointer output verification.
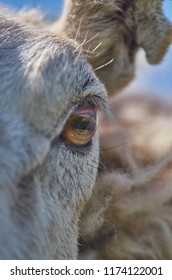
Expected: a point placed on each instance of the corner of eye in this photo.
(106, 109)
(109, 114)
(106, 104)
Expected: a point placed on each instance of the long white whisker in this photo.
(97, 47)
(92, 38)
(79, 53)
(107, 63)
(78, 29)
(83, 42)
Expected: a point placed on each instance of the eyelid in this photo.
(99, 102)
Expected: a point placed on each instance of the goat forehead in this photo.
(40, 60)
(50, 76)
(56, 81)
(59, 72)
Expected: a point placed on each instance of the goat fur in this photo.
(129, 213)
(45, 184)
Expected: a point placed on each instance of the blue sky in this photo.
(168, 8)
(54, 7)
(155, 78)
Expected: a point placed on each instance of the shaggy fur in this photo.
(129, 213)
(44, 182)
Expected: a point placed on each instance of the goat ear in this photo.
(155, 39)
(153, 31)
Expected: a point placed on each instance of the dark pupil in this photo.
(83, 125)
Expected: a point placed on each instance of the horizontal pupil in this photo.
(83, 125)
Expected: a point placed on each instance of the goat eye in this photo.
(80, 126)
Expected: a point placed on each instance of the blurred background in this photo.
(152, 79)
(51, 8)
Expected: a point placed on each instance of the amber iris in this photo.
(80, 126)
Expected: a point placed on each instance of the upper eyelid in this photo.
(95, 100)
(101, 103)
(95, 95)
